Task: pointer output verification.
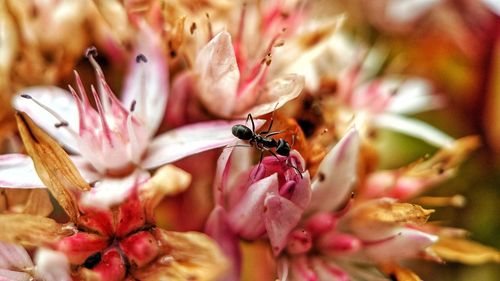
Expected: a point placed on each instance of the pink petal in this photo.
(407, 243)
(59, 101)
(18, 171)
(9, 275)
(188, 140)
(14, 256)
(222, 173)
(301, 270)
(109, 192)
(280, 217)
(302, 192)
(52, 266)
(246, 218)
(336, 175)
(329, 271)
(414, 128)
(218, 228)
(280, 91)
(218, 74)
(147, 82)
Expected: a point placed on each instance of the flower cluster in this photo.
(82, 197)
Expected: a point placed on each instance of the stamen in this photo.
(132, 106)
(80, 108)
(141, 58)
(62, 122)
(209, 23)
(91, 52)
(100, 109)
(192, 28)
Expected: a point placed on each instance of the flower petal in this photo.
(414, 128)
(465, 251)
(167, 181)
(280, 217)
(59, 101)
(9, 275)
(14, 256)
(218, 74)
(279, 92)
(109, 192)
(51, 266)
(407, 243)
(52, 164)
(413, 96)
(246, 218)
(29, 230)
(218, 228)
(336, 174)
(186, 256)
(18, 171)
(147, 80)
(188, 140)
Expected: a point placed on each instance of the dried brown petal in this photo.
(168, 180)
(29, 230)
(52, 164)
(26, 201)
(465, 251)
(389, 212)
(400, 273)
(447, 159)
(184, 256)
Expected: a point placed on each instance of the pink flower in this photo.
(116, 142)
(333, 241)
(265, 201)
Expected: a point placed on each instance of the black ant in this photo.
(263, 140)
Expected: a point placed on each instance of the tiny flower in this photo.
(116, 142)
(265, 201)
(113, 244)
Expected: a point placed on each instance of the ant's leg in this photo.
(249, 116)
(254, 174)
(295, 168)
(238, 145)
(269, 128)
(275, 133)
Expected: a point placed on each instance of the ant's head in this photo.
(283, 148)
(242, 132)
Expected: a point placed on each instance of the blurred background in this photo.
(455, 44)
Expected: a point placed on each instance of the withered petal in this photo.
(52, 164)
(386, 211)
(167, 180)
(38, 203)
(184, 256)
(465, 251)
(29, 230)
(401, 273)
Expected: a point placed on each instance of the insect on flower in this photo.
(263, 140)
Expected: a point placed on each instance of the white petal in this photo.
(403, 11)
(59, 101)
(336, 174)
(85, 168)
(414, 128)
(189, 140)
(111, 191)
(279, 92)
(413, 96)
(494, 5)
(147, 82)
(407, 243)
(14, 256)
(18, 171)
(52, 266)
(9, 275)
(218, 75)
